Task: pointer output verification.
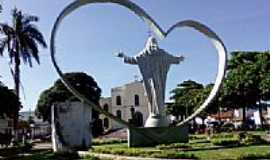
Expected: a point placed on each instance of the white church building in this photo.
(127, 101)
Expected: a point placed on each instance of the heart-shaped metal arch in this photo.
(216, 41)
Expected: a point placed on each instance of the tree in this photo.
(9, 102)
(247, 81)
(184, 98)
(189, 96)
(201, 97)
(263, 64)
(21, 40)
(240, 88)
(59, 93)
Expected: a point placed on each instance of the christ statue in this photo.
(154, 64)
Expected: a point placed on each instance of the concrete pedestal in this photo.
(155, 120)
(141, 137)
(71, 126)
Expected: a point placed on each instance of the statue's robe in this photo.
(154, 64)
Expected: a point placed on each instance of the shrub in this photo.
(223, 135)
(97, 142)
(242, 138)
(250, 139)
(195, 137)
(226, 142)
(88, 157)
(254, 156)
(143, 152)
(182, 146)
(173, 155)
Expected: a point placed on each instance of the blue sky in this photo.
(89, 37)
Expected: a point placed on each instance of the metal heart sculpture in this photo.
(216, 41)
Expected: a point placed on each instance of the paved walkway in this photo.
(39, 146)
(118, 157)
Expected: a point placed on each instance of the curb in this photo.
(119, 157)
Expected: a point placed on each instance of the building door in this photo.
(106, 123)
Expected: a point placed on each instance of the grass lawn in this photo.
(235, 153)
(198, 148)
(220, 147)
(45, 155)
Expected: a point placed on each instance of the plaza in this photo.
(130, 79)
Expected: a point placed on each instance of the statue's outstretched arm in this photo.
(177, 59)
(127, 59)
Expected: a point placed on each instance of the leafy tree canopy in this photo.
(247, 81)
(9, 102)
(58, 93)
(188, 97)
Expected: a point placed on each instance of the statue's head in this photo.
(151, 43)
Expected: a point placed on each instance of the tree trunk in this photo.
(261, 114)
(186, 114)
(244, 119)
(17, 91)
(219, 114)
(195, 127)
(203, 124)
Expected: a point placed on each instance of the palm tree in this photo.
(21, 40)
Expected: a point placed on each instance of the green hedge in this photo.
(226, 142)
(197, 137)
(182, 146)
(223, 135)
(143, 153)
(241, 139)
(250, 139)
(97, 142)
(254, 156)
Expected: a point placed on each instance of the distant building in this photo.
(126, 101)
(236, 116)
(6, 125)
(38, 127)
(267, 115)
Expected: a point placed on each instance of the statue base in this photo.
(143, 137)
(156, 120)
(71, 126)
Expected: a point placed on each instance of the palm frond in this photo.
(23, 37)
(3, 45)
(34, 33)
(26, 57)
(28, 19)
(32, 48)
(6, 29)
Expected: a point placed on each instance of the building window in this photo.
(106, 123)
(118, 100)
(119, 114)
(106, 107)
(137, 100)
